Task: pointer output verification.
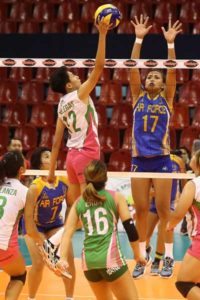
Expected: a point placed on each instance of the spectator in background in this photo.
(15, 144)
(195, 146)
(185, 155)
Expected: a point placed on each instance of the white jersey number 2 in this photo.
(101, 222)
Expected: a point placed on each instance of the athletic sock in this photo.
(169, 250)
(56, 238)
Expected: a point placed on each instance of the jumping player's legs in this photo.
(162, 198)
(151, 224)
(124, 288)
(36, 271)
(140, 191)
(15, 268)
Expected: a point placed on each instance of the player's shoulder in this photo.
(63, 179)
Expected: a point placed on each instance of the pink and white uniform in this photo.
(12, 202)
(81, 121)
(193, 221)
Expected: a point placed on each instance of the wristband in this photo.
(170, 45)
(138, 41)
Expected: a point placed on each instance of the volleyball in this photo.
(110, 15)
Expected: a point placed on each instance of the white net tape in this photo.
(109, 63)
(121, 174)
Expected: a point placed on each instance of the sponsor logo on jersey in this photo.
(150, 63)
(69, 62)
(191, 63)
(29, 62)
(49, 62)
(89, 62)
(130, 63)
(110, 63)
(9, 62)
(170, 63)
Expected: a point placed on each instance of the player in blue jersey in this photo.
(152, 107)
(43, 219)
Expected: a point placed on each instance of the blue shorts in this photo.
(159, 164)
(172, 200)
(44, 228)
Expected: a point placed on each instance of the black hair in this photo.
(14, 138)
(36, 157)
(10, 164)
(59, 79)
(186, 149)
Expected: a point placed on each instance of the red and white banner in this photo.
(109, 63)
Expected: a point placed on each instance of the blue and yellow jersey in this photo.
(151, 117)
(49, 202)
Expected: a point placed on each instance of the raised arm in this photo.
(141, 30)
(86, 88)
(170, 36)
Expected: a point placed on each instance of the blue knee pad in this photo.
(184, 287)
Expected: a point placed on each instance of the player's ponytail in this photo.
(96, 177)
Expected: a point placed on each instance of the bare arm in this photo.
(170, 36)
(125, 215)
(31, 228)
(141, 30)
(183, 205)
(86, 88)
(55, 149)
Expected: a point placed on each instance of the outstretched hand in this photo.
(103, 27)
(172, 31)
(140, 26)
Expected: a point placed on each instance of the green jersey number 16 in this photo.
(100, 221)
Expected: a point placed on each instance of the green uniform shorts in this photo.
(112, 274)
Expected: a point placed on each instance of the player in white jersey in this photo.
(76, 112)
(188, 280)
(12, 202)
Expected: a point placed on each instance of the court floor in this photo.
(149, 288)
